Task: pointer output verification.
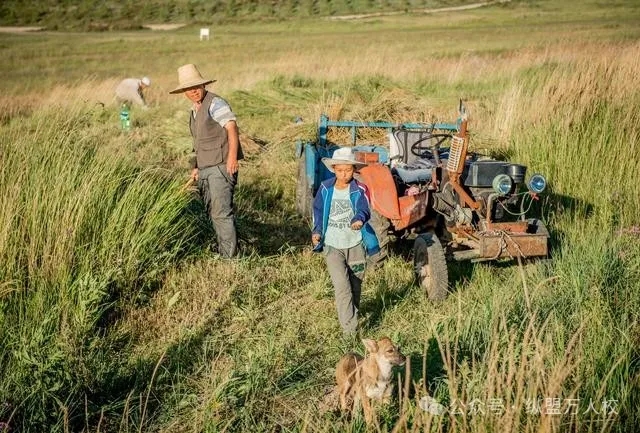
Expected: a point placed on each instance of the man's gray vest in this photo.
(209, 138)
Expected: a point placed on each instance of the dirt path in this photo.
(163, 26)
(416, 11)
(20, 29)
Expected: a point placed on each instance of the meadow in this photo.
(115, 316)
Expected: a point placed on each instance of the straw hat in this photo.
(342, 155)
(189, 76)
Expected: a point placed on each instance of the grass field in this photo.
(116, 317)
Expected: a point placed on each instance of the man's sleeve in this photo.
(220, 111)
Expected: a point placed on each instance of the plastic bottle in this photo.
(125, 119)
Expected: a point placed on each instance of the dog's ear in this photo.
(371, 345)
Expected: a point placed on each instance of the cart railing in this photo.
(325, 124)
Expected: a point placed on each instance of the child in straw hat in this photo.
(341, 230)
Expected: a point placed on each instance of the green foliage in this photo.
(83, 235)
(80, 14)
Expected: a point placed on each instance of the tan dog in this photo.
(365, 381)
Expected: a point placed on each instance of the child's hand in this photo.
(315, 239)
(356, 225)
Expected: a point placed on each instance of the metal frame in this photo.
(325, 124)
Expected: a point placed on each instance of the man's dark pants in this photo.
(217, 187)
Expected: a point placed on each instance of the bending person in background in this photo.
(130, 91)
(217, 150)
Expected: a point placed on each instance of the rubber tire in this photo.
(430, 265)
(304, 192)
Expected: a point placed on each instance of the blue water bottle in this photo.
(125, 119)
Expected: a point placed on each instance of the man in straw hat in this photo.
(342, 231)
(130, 91)
(217, 150)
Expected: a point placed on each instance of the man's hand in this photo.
(356, 225)
(232, 166)
(315, 239)
(194, 174)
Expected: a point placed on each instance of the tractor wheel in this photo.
(304, 192)
(430, 266)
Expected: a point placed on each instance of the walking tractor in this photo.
(426, 185)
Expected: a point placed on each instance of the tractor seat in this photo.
(418, 171)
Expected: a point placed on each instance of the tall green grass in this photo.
(584, 135)
(81, 235)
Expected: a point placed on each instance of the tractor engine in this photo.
(494, 185)
(490, 184)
